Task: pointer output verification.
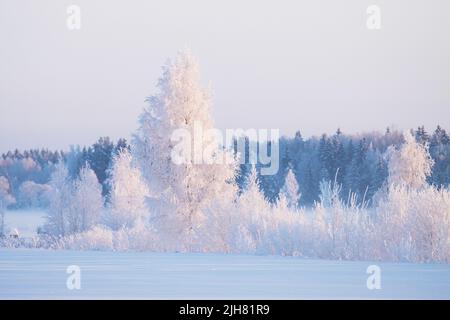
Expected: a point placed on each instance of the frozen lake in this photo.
(25, 221)
(34, 273)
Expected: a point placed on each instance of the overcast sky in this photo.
(308, 65)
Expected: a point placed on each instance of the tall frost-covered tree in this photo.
(182, 188)
(60, 198)
(128, 193)
(290, 190)
(87, 203)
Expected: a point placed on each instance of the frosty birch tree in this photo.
(183, 189)
(289, 191)
(414, 217)
(60, 201)
(410, 165)
(128, 194)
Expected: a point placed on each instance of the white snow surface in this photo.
(41, 274)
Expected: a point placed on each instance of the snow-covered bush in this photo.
(339, 230)
(414, 225)
(287, 230)
(249, 223)
(103, 238)
(97, 238)
(262, 228)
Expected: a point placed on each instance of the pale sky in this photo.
(309, 65)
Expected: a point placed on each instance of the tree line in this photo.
(357, 163)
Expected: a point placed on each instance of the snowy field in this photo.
(33, 273)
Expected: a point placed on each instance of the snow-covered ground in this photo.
(25, 221)
(33, 273)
